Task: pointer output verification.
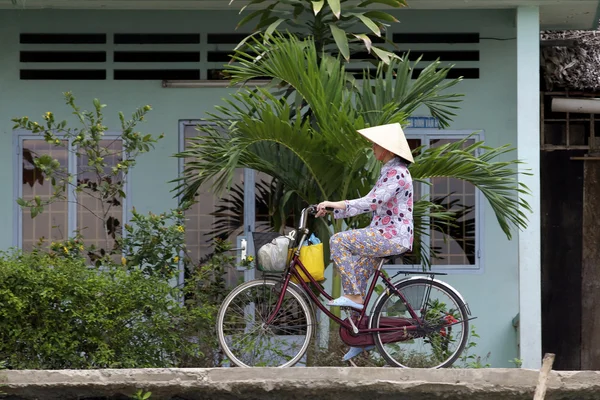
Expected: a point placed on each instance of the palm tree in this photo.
(322, 156)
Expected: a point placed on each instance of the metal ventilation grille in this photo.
(54, 56)
(135, 56)
(195, 56)
(153, 56)
(220, 47)
(458, 49)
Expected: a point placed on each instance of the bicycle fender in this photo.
(442, 283)
(298, 289)
(306, 297)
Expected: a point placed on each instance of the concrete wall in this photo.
(490, 105)
(305, 383)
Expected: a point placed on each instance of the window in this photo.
(61, 219)
(211, 216)
(457, 248)
(52, 224)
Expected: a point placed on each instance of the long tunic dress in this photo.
(357, 252)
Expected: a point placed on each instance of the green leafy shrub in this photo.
(154, 242)
(57, 313)
(204, 291)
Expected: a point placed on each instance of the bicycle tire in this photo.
(267, 285)
(402, 286)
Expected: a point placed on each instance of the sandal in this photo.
(354, 351)
(345, 302)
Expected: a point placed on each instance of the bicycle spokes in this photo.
(440, 333)
(250, 340)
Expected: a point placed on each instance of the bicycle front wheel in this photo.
(437, 342)
(245, 336)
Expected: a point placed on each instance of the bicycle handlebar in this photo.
(312, 209)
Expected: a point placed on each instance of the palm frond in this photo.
(258, 130)
(393, 92)
(497, 180)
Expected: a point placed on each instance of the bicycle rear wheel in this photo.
(436, 344)
(245, 336)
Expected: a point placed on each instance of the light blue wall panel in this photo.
(489, 105)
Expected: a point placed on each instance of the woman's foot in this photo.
(354, 351)
(344, 301)
(357, 298)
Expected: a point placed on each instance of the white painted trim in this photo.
(204, 83)
(180, 165)
(19, 135)
(72, 212)
(528, 148)
(127, 201)
(249, 216)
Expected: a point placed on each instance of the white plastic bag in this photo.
(272, 257)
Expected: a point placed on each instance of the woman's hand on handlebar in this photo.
(323, 207)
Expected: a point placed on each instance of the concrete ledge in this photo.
(295, 383)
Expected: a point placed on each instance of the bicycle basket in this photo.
(272, 251)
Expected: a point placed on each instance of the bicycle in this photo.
(270, 322)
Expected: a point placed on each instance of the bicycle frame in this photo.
(292, 271)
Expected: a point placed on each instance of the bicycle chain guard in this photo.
(366, 339)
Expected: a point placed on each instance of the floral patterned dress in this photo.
(357, 252)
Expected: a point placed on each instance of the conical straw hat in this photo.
(390, 137)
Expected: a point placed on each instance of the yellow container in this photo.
(311, 257)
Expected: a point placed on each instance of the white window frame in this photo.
(425, 135)
(21, 135)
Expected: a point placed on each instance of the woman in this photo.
(357, 252)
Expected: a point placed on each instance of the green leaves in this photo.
(497, 180)
(382, 16)
(154, 243)
(366, 40)
(341, 41)
(368, 22)
(141, 395)
(59, 314)
(269, 31)
(330, 23)
(336, 8)
(391, 3)
(249, 4)
(393, 92)
(318, 6)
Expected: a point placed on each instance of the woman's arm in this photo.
(388, 185)
(337, 205)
